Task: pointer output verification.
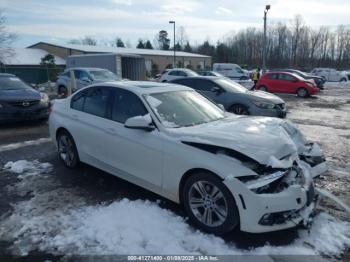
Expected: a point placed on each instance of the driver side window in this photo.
(125, 105)
(286, 77)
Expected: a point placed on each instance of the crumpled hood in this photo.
(19, 95)
(266, 140)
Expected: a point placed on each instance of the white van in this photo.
(231, 71)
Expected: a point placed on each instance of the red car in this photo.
(283, 82)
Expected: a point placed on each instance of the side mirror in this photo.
(216, 89)
(140, 122)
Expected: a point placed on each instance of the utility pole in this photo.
(174, 63)
(267, 8)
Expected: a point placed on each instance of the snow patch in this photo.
(21, 166)
(58, 220)
(23, 144)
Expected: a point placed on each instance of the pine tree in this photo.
(140, 45)
(148, 45)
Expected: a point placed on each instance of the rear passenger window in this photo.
(77, 102)
(204, 85)
(286, 77)
(126, 105)
(96, 101)
(185, 82)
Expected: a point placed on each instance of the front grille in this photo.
(24, 103)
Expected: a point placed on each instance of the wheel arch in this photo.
(62, 129)
(188, 174)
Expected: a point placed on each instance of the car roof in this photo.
(6, 75)
(145, 87)
(200, 77)
(85, 68)
(284, 72)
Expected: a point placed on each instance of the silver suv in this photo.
(83, 77)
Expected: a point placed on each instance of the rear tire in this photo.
(239, 109)
(302, 92)
(163, 81)
(67, 149)
(343, 79)
(263, 88)
(209, 204)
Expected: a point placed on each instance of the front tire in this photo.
(209, 204)
(302, 92)
(67, 149)
(343, 79)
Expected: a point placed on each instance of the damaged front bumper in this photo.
(314, 159)
(284, 203)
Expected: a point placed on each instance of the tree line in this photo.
(294, 45)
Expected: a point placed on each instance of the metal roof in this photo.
(121, 50)
(27, 56)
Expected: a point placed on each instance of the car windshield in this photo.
(191, 73)
(183, 108)
(103, 75)
(12, 83)
(230, 85)
(302, 74)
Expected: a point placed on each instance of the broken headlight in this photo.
(274, 182)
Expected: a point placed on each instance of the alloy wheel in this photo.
(66, 150)
(208, 203)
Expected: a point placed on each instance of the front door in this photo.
(135, 154)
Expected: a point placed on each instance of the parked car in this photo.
(330, 74)
(19, 101)
(236, 98)
(209, 73)
(228, 171)
(283, 82)
(83, 77)
(172, 74)
(319, 81)
(233, 71)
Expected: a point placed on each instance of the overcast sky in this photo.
(59, 21)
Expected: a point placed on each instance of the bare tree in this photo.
(181, 36)
(6, 38)
(86, 40)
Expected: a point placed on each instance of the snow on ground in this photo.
(60, 220)
(325, 119)
(23, 144)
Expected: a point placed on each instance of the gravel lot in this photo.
(51, 191)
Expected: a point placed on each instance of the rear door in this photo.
(89, 115)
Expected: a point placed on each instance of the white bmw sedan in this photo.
(228, 171)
